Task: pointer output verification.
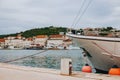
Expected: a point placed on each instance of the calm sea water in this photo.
(48, 59)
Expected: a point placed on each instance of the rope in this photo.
(83, 3)
(25, 57)
(83, 12)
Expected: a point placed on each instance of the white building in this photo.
(40, 40)
(2, 43)
(27, 43)
(21, 42)
(14, 42)
(17, 43)
(55, 40)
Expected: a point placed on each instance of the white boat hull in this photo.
(104, 52)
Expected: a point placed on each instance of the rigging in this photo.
(83, 3)
(81, 12)
(25, 57)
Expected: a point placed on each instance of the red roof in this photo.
(56, 36)
(41, 36)
(29, 39)
(110, 35)
(2, 40)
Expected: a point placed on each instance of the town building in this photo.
(36, 42)
(40, 40)
(27, 43)
(91, 32)
(55, 41)
(13, 42)
(2, 43)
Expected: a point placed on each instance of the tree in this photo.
(39, 31)
(109, 28)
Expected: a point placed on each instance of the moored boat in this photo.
(103, 52)
(14, 48)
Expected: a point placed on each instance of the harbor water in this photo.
(46, 59)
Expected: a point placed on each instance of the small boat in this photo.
(14, 48)
(1, 48)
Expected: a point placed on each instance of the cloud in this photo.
(102, 13)
(20, 15)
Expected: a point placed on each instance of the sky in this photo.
(21, 15)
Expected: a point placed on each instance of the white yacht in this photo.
(103, 52)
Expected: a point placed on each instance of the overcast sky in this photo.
(21, 15)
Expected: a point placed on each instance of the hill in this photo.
(39, 31)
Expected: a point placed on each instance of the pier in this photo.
(14, 72)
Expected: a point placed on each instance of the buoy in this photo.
(87, 68)
(114, 70)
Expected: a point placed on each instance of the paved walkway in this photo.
(13, 72)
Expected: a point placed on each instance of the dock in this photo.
(15, 72)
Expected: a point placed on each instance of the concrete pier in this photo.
(13, 72)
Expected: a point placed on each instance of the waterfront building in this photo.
(19, 36)
(55, 41)
(27, 42)
(40, 40)
(2, 43)
(10, 37)
(91, 32)
(14, 42)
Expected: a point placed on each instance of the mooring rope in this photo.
(25, 57)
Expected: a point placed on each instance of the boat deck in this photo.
(13, 72)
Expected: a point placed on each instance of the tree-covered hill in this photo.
(39, 31)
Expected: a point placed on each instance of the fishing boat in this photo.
(103, 52)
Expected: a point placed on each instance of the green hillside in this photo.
(39, 31)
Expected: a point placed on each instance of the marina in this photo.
(47, 40)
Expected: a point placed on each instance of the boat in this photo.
(0, 48)
(34, 48)
(14, 48)
(103, 52)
